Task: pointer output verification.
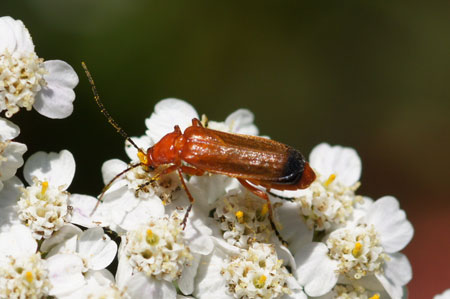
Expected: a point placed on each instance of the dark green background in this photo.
(373, 75)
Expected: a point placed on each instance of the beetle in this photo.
(252, 160)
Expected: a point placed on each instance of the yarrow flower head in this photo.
(72, 255)
(342, 291)
(364, 251)
(256, 273)
(28, 81)
(243, 219)
(358, 250)
(330, 200)
(158, 248)
(23, 273)
(43, 206)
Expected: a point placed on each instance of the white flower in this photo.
(256, 272)
(343, 291)
(120, 210)
(71, 253)
(243, 218)
(444, 295)
(366, 251)
(27, 81)
(99, 284)
(330, 200)
(239, 122)
(43, 206)
(10, 152)
(23, 273)
(159, 253)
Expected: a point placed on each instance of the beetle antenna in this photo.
(104, 111)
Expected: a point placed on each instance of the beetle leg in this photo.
(196, 122)
(262, 194)
(155, 178)
(191, 199)
(177, 129)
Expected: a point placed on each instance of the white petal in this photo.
(14, 36)
(10, 192)
(124, 269)
(344, 162)
(293, 228)
(97, 248)
(65, 273)
(54, 102)
(13, 153)
(398, 269)
(131, 212)
(60, 74)
(168, 113)
(444, 295)
(18, 241)
(296, 288)
(82, 208)
(186, 281)
(24, 42)
(65, 233)
(141, 286)
(241, 122)
(391, 223)
(209, 282)
(201, 244)
(7, 37)
(8, 203)
(58, 169)
(55, 99)
(198, 235)
(8, 130)
(315, 270)
(101, 277)
(111, 168)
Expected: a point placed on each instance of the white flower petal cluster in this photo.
(43, 206)
(73, 254)
(27, 81)
(23, 273)
(362, 250)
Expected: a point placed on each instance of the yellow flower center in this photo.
(151, 238)
(240, 216)
(357, 250)
(259, 283)
(44, 188)
(29, 276)
(330, 179)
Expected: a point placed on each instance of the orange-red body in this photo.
(257, 160)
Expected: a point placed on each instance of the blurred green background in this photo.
(373, 75)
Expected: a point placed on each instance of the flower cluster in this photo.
(146, 240)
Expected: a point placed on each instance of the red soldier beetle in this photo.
(252, 160)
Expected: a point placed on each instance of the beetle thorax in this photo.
(166, 151)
